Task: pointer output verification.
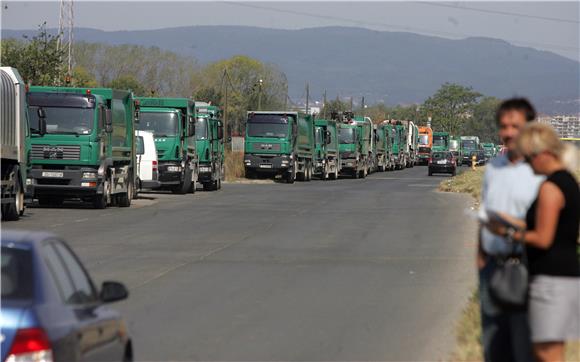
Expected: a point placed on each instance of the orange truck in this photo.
(425, 144)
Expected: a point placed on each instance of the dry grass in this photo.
(234, 165)
(467, 182)
(468, 336)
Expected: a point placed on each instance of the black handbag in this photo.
(509, 283)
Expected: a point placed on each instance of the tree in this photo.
(451, 106)
(128, 82)
(334, 106)
(38, 59)
(483, 123)
(82, 78)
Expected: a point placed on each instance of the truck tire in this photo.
(308, 171)
(290, 176)
(124, 199)
(185, 185)
(10, 210)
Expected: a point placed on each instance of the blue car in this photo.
(51, 310)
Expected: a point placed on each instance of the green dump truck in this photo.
(15, 136)
(384, 142)
(468, 145)
(172, 121)
(401, 145)
(488, 150)
(209, 134)
(82, 145)
(412, 146)
(365, 126)
(327, 149)
(455, 148)
(279, 143)
(441, 141)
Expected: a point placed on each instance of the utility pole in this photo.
(65, 34)
(260, 82)
(351, 104)
(307, 96)
(225, 105)
(363, 105)
(324, 105)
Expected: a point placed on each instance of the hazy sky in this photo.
(553, 26)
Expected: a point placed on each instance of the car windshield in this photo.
(162, 124)
(346, 135)
(63, 120)
(201, 128)
(440, 141)
(17, 282)
(423, 139)
(274, 130)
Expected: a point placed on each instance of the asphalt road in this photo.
(374, 269)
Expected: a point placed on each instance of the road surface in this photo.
(373, 269)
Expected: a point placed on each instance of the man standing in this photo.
(509, 186)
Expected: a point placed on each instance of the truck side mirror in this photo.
(220, 132)
(41, 121)
(328, 137)
(108, 121)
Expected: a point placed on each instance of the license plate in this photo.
(52, 174)
(265, 166)
(441, 162)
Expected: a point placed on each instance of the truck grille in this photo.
(59, 152)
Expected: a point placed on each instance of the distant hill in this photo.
(390, 66)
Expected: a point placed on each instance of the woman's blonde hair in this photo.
(536, 138)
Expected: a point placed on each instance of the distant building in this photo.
(565, 126)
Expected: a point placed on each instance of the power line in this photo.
(398, 27)
(499, 12)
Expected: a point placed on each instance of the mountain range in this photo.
(382, 66)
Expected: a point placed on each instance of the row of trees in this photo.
(244, 82)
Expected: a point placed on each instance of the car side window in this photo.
(84, 290)
(59, 273)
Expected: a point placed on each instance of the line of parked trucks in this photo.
(298, 146)
(463, 148)
(102, 145)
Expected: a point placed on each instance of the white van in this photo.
(147, 172)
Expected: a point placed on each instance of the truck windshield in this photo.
(423, 139)
(162, 124)
(201, 128)
(468, 144)
(346, 135)
(453, 145)
(440, 141)
(64, 120)
(275, 130)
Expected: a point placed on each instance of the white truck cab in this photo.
(147, 172)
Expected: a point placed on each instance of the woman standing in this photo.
(551, 239)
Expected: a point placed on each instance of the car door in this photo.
(97, 325)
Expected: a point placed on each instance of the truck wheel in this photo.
(124, 199)
(290, 176)
(184, 186)
(308, 171)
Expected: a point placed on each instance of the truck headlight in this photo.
(89, 175)
(173, 168)
(204, 169)
(28, 181)
(248, 162)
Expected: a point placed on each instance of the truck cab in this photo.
(209, 136)
(455, 149)
(82, 145)
(172, 122)
(425, 144)
(327, 149)
(352, 158)
(469, 144)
